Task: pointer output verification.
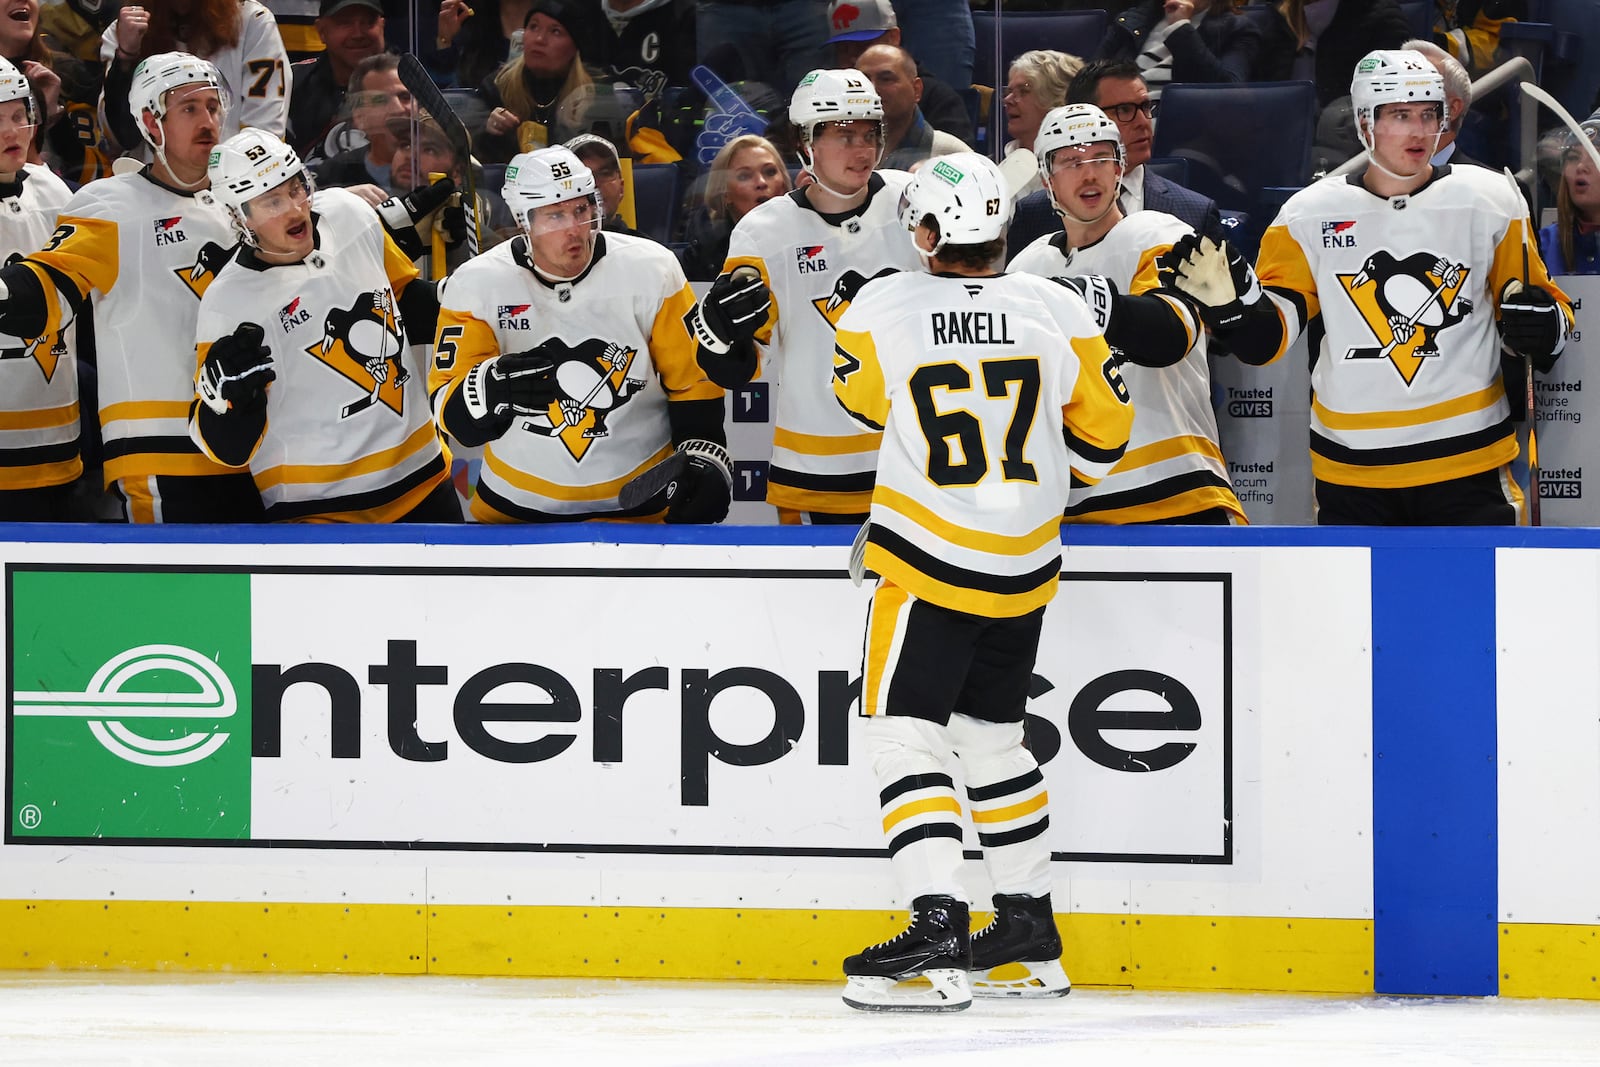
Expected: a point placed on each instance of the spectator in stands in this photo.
(68, 77)
(777, 41)
(1571, 244)
(645, 44)
(471, 41)
(421, 150)
(747, 173)
(542, 96)
(350, 31)
(1471, 29)
(239, 37)
(860, 24)
(1183, 41)
(939, 33)
(377, 99)
(1036, 83)
(600, 156)
(1115, 87)
(906, 130)
(1321, 41)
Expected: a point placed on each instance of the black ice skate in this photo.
(936, 946)
(1022, 932)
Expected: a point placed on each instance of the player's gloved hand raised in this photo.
(236, 371)
(1532, 324)
(1098, 291)
(1214, 275)
(702, 493)
(731, 311)
(517, 383)
(418, 204)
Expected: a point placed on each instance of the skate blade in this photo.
(1035, 981)
(947, 990)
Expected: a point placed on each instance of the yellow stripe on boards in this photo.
(1143, 952)
(1550, 960)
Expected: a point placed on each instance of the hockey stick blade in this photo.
(1019, 168)
(414, 76)
(641, 489)
(858, 554)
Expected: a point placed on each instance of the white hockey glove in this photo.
(1532, 324)
(732, 310)
(518, 383)
(237, 371)
(1214, 275)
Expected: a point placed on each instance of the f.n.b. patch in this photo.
(169, 231)
(292, 315)
(1341, 234)
(513, 316)
(808, 259)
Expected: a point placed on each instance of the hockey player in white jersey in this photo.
(1174, 471)
(1418, 273)
(305, 373)
(141, 248)
(564, 352)
(39, 454)
(812, 250)
(995, 393)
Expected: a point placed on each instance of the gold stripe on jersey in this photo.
(1169, 499)
(140, 463)
(962, 537)
(147, 409)
(1282, 264)
(1389, 420)
(673, 351)
(1171, 448)
(84, 251)
(529, 483)
(926, 806)
(1406, 475)
(461, 343)
(814, 445)
(885, 627)
(796, 499)
(331, 473)
(65, 415)
(40, 475)
(426, 479)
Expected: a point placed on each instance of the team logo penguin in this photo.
(593, 382)
(1406, 302)
(833, 306)
(47, 356)
(365, 343)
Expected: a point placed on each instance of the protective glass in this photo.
(583, 211)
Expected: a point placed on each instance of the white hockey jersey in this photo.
(133, 247)
(1174, 465)
(255, 73)
(995, 396)
(627, 353)
(821, 461)
(1406, 381)
(38, 378)
(348, 435)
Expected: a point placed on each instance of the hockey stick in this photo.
(1019, 168)
(1373, 352)
(414, 76)
(640, 489)
(1530, 398)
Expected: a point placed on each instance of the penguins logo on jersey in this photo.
(593, 382)
(198, 275)
(833, 306)
(47, 356)
(364, 343)
(1405, 303)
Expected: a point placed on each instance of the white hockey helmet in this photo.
(1394, 76)
(14, 86)
(965, 193)
(548, 176)
(156, 76)
(245, 166)
(1072, 126)
(834, 96)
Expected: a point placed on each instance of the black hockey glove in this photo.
(402, 214)
(1215, 277)
(1532, 324)
(237, 371)
(705, 489)
(517, 383)
(732, 310)
(1098, 291)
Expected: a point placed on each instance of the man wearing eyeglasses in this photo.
(1173, 471)
(1116, 87)
(377, 99)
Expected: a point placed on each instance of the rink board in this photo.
(1274, 757)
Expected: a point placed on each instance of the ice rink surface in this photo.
(101, 1019)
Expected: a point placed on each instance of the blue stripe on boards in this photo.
(1435, 860)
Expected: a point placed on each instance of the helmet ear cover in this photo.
(14, 86)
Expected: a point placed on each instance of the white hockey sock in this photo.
(921, 815)
(1009, 804)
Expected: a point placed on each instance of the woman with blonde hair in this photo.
(1571, 244)
(1036, 82)
(543, 96)
(747, 172)
(238, 37)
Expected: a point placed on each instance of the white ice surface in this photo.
(64, 1020)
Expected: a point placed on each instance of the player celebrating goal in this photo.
(1173, 472)
(807, 254)
(995, 393)
(564, 351)
(1407, 265)
(305, 370)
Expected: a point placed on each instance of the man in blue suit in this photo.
(1115, 87)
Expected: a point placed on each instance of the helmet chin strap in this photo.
(1372, 156)
(809, 158)
(161, 158)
